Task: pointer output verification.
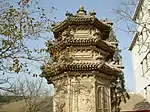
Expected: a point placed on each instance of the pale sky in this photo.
(103, 9)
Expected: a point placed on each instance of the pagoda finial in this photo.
(81, 7)
(81, 11)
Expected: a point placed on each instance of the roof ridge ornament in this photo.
(92, 13)
(81, 11)
(68, 14)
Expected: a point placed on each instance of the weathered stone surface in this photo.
(82, 64)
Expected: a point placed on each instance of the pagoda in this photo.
(82, 63)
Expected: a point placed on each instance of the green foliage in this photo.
(18, 25)
(118, 93)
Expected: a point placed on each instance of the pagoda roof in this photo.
(99, 43)
(81, 18)
(101, 66)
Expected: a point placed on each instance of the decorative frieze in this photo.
(101, 44)
(82, 66)
(83, 62)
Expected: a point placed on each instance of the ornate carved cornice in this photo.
(83, 45)
(102, 25)
(81, 20)
(80, 66)
(106, 46)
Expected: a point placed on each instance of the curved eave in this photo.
(79, 42)
(105, 46)
(111, 70)
(82, 21)
(101, 67)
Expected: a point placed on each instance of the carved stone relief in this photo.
(82, 32)
(80, 68)
(67, 34)
(103, 98)
(82, 53)
(60, 96)
(82, 95)
(96, 33)
(99, 56)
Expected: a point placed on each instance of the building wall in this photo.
(141, 51)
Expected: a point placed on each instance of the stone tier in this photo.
(82, 20)
(102, 25)
(101, 66)
(101, 44)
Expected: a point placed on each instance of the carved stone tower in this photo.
(82, 64)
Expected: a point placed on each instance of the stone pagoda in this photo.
(83, 63)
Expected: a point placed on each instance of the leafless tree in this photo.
(35, 97)
(135, 16)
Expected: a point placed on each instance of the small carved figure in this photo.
(117, 59)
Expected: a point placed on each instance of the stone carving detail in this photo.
(117, 59)
(83, 54)
(67, 34)
(82, 32)
(103, 99)
(85, 101)
(82, 50)
(82, 96)
(97, 34)
(59, 99)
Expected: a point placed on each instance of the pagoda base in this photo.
(82, 93)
